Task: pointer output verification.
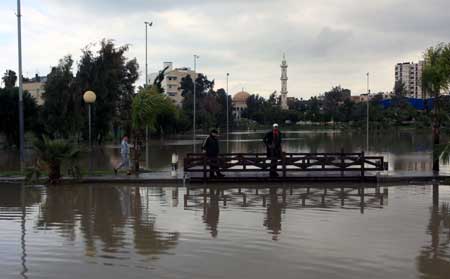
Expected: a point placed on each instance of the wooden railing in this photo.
(288, 163)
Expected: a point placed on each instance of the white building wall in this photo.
(172, 81)
(411, 75)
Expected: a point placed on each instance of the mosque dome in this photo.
(241, 96)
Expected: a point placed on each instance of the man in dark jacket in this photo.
(211, 148)
(272, 140)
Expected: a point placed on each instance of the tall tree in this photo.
(221, 116)
(159, 79)
(9, 79)
(9, 114)
(206, 105)
(147, 107)
(111, 76)
(333, 99)
(60, 112)
(435, 79)
(399, 89)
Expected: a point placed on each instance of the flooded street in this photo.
(104, 231)
(409, 150)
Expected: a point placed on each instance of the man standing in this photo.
(211, 147)
(125, 156)
(272, 140)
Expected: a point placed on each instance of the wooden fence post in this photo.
(204, 168)
(362, 164)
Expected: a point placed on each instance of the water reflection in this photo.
(434, 258)
(105, 231)
(105, 214)
(211, 211)
(16, 199)
(277, 199)
(405, 150)
(273, 215)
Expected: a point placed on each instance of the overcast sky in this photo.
(326, 42)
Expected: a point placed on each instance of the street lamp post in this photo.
(89, 98)
(367, 127)
(195, 78)
(21, 124)
(146, 84)
(228, 123)
(146, 64)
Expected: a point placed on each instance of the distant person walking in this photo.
(272, 140)
(211, 148)
(125, 156)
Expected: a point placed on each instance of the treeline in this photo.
(112, 76)
(63, 114)
(336, 106)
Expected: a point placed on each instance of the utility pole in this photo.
(146, 64)
(195, 78)
(228, 123)
(368, 116)
(146, 84)
(21, 124)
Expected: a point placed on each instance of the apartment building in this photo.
(410, 74)
(172, 81)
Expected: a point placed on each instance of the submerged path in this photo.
(180, 179)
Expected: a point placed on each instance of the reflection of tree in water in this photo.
(211, 211)
(395, 142)
(103, 213)
(10, 196)
(17, 198)
(147, 240)
(434, 259)
(274, 211)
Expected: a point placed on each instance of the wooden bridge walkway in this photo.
(255, 167)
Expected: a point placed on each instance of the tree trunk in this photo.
(436, 137)
(54, 173)
(436, 141)
(137, 153)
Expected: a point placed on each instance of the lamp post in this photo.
(367, 127)
(195, 78)
(146, 65)
(89, 98)
(21, 124)
(147, 24)
(228, 113)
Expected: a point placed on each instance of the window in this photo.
(172, 94)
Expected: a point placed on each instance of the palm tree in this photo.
(435, 79)
(52, 154)
(147, 106)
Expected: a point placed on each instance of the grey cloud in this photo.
(130, 6)
(427, 18)
(326, 42)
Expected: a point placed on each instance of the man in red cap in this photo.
(272, 140)
(211, 148)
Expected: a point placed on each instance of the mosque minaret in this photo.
(284, 79)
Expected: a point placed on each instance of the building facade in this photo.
(239, 103)
(36, 88)
(172, 81)
(411, 75)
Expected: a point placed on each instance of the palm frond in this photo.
(443, 151)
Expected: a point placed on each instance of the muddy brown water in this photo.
(134, 231)
(405, 150)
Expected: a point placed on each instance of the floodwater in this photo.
(104, 231)
(404, 150)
